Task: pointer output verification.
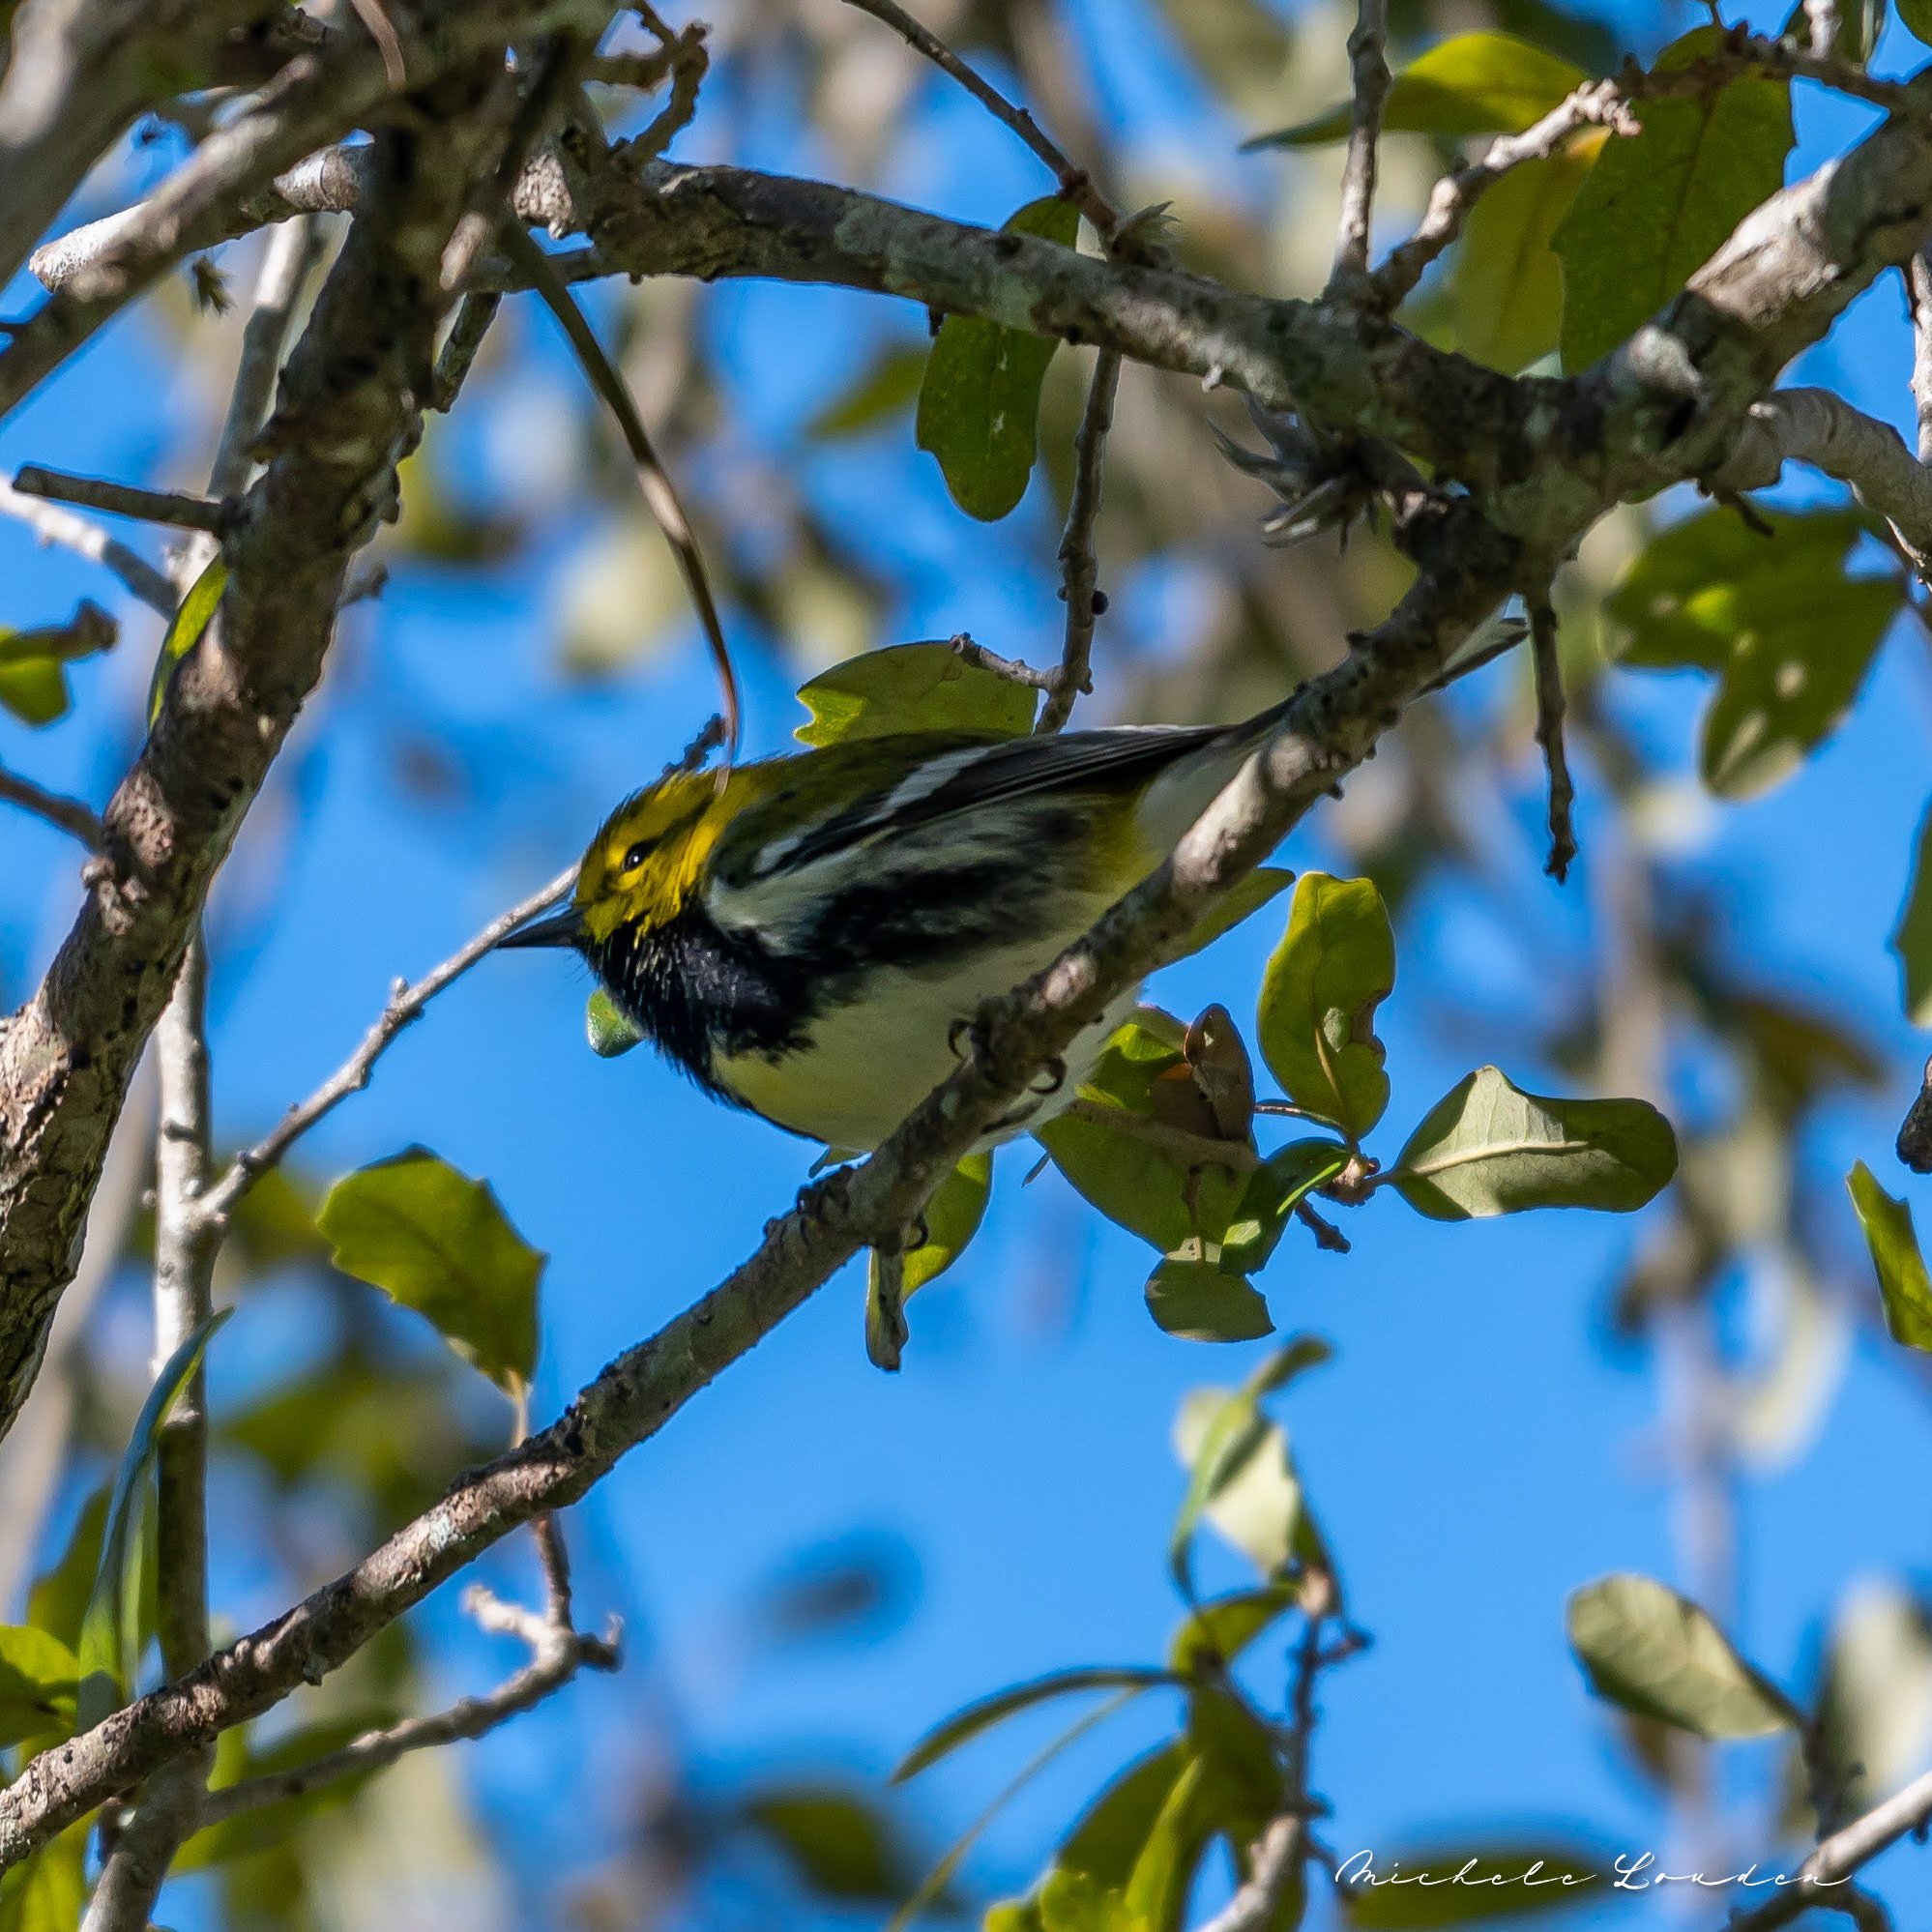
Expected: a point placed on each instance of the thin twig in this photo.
(405, 1003)
(558, 1653)
(1075, 184)
(70, 815)
(1368, 65)
(1079, 566)
(1009, 668)
(661, 494)
(1549, 734)
(54, 524)
(689, 60)
(474, 312)
(178, 508)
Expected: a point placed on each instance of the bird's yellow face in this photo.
(644, 864)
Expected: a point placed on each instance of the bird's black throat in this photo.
(698, 992)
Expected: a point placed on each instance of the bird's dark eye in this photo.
(636, 856)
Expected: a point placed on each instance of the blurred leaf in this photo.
(110, 1642)
(57, 1602)
(911, 688)
(964, 1725)
(979, 405)
(1505, 283)
(620, 596)
(1149, 1190)
(192, 617)
(1874, 1706)
(1658, 204)
(1903, 1284)
(1505, 1881)
(33, 663)
(1481, 83)
(1788, 632)
(47, 1891)
(952, 1217)
(1488, 1148)
(1913, 939)
(1247, 896)
(840, 1846)
(1220, 1631)
(1316, 1025)
(1651, 1651)
(1286, 1177)
(885, 388)
(859, 1587)
(1156, 1895)
(1196, 1302)
(609, 1030)
(1917, 18)
(1240, 1476)
(435, 526)
(39, 1677)
(438, 1241)
(1239, 46)
(388, 1432)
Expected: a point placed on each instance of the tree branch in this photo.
(1079, 568)
(147, 506)
(1368, 64)
(51, 523)
(79, 820)
(405, 1003)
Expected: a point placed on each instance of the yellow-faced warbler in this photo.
(806, 939)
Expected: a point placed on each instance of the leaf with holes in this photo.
(1659, 203)
(1650, 1651)
(438, 1241)
(979, 406)
(1488, 1148)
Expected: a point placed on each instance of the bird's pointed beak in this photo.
(557, 928)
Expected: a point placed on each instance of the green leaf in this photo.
(979, 406)
(1506, 1878)
(964, 1725)
(1240, 1478)
(1488, 1148)
(838, 1842)
(1903, 1284)
(33, 663)
(1505, 283)
(1658, 204)
(108, 1652)
(1917, 18)
(1482, 83)
(882, 389)
(1650, 1651)
(1316, 1025)
(609, 1030)
(952, 1217)
(192, 617)
(438, 1241)
(1286, 1177)
(57, 1602)
(1163, 1196)
(911, 688)
(1157, 1890)
(1241, 900)
(1911, 941)
(47, 1890)
(1217, 1633)
(1195, 1301)
(39, 1679)
(1788, 632)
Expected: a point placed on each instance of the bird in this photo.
(806, 936)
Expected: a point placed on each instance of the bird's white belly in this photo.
(864, 1066)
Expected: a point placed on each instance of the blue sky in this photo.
(1478, 1449)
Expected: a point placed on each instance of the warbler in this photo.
(806, 939)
